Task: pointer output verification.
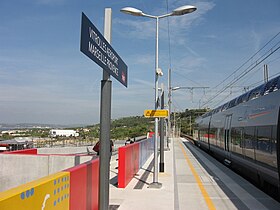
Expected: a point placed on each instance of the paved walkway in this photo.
(192, 180)
(138, 195)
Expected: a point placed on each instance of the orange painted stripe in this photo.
(206, 197)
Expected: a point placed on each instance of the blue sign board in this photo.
(96, 47)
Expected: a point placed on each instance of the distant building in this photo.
(66, 133)
(14, 132)
(16, 144)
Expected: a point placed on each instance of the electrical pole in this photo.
(169, 107)
(161, 162)
(265, 73)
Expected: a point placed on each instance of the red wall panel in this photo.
(78, 184)
(93, 185)
(128, 164)
(84, 186)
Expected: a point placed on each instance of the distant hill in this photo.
(130, 127)
(123, 128)
(127, 127)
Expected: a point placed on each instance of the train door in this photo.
(242, 142)
(278, 147)
(208, 132)
(227, 136)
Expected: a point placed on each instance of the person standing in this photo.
(111, 148)
(96, 148)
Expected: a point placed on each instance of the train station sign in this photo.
(97, 48)
(156, 113)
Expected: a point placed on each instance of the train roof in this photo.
(259, 91)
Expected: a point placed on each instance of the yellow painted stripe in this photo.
(206, 197)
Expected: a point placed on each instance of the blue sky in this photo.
(44, 78)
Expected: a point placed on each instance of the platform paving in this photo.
(191, 180)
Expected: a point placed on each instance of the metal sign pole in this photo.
(98, 48)
(105, 120)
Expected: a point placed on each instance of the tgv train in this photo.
(244, 133)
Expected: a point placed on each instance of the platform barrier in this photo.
(84, 185)
(146, 150)
(48, 193)
(131, 158)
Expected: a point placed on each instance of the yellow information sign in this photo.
(156, 113)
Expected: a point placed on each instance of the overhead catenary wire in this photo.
(239, 77)
(247, 77)
(251, 67)
(248, 60)
(245, 87)
(181, 75)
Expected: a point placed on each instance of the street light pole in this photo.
(155, 174)
(136, 12)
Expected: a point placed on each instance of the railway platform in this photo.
(191, 180)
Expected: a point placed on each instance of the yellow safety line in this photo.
(206, 197)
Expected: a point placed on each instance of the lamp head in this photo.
(183, 10)
(132, 11)
(176, 88)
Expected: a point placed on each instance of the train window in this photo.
(259, 91)
(224, 106)
(251, 94)
(266, 88)
(212, 136)
(242, 98)
(265, 147)
(271, 86)
(245, 97)
(249, 142)
(256, 92)
(220, 137)
(239, 100)
(237, 139)
(203, 135)
(263, 138)
(216, 110)
(231, 103)
(278, 83)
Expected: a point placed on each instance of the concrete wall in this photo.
(20, 169)
(64, 150)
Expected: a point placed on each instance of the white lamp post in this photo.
(136, 12)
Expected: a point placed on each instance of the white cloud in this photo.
(257, 40)
(140, 28)
(144, 59)
(144, 28)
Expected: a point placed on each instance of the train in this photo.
(244, 134)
